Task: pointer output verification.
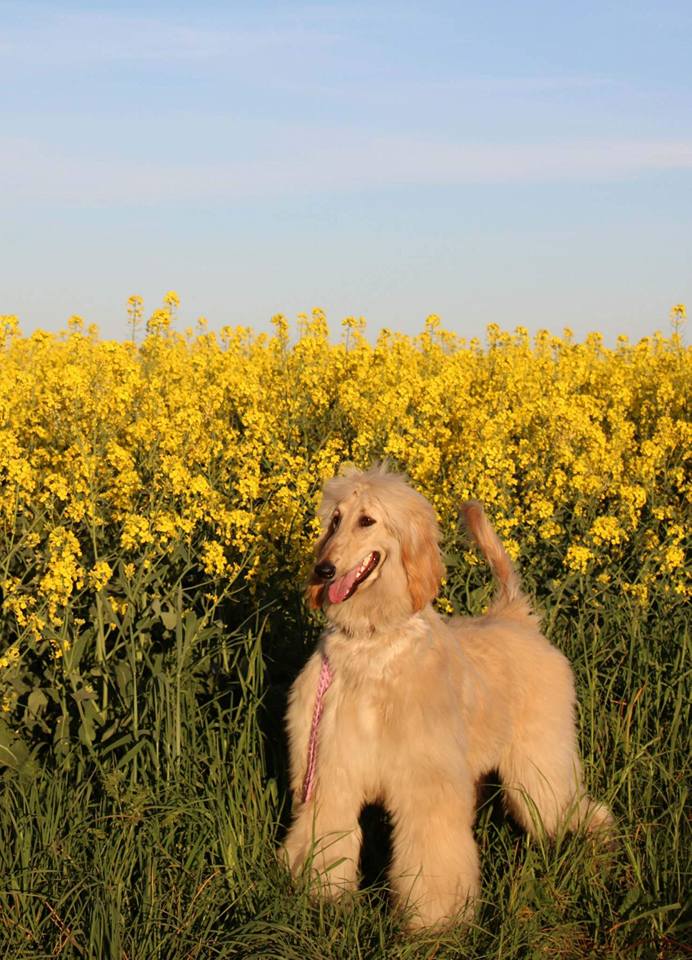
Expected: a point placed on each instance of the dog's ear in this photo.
(420, 555)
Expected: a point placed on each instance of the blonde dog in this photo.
(408, 709)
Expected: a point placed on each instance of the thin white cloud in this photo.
(55, 37)
(78, 38)
(33, 171)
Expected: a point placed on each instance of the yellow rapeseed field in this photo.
(112, 454)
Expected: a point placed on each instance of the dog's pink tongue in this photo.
(340, 588)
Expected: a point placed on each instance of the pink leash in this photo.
(324, 684)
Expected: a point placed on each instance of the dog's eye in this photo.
(366, 521)
(335, 522)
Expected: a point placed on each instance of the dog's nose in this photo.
(325, 570)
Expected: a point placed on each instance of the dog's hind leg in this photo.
(543, 789)
(540, 767)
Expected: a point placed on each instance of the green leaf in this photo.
(37, 702)
(170, 619)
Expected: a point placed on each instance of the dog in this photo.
(403, 707)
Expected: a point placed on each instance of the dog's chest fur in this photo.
(359, 701)
(371, 674)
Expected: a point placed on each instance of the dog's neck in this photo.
(360, 618)
(371, 650)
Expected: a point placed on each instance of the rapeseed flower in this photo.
(118, 460)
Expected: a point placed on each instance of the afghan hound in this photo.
(402, 707)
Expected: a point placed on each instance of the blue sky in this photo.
(526, 163)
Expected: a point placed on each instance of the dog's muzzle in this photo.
(343, 587)
(325, 571)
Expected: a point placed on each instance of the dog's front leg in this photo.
(435, 869)
(325, 837)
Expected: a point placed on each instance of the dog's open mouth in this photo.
(344, 587)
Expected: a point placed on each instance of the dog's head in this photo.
(378, 552)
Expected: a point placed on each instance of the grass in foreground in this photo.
(175, 858)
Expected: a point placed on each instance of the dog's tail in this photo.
(506, 576)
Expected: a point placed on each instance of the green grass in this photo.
(162, 844)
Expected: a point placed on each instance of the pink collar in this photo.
(323, 685)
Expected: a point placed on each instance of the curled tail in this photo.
(506, 577)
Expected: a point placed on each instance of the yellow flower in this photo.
(10, 657)
(99, 575)
(541, 507)
(134, 307)
(213, 559)
(159, 322)
(9, 324)
(673, 558)
(578, 558)
(64, 574)
(550, 530)
(606, 530)
(119, 606)
(171, 299)
(639, 591)
(8, 702)
(136, 532)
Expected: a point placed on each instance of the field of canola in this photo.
(157, 498)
